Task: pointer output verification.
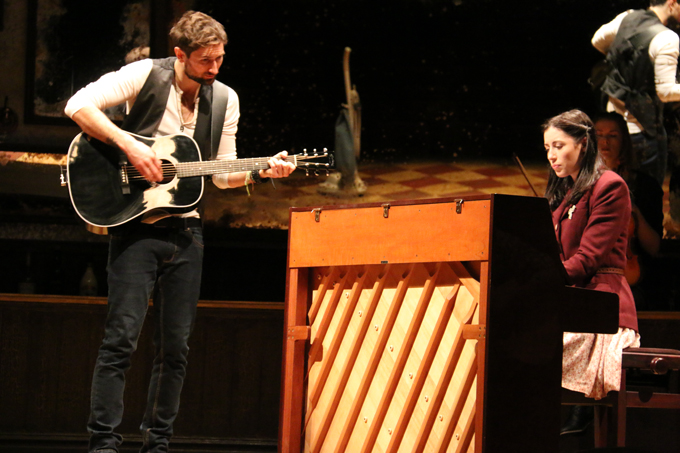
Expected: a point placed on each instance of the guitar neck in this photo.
(214, 167)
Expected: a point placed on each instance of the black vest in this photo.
(631, 79)
(149, 108)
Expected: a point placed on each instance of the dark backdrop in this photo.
(438, 79)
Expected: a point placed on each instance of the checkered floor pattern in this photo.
(267, 206)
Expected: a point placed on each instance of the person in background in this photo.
(643, 55)
(591, 212)
(160, 255)
(137, 53)
(646, 230)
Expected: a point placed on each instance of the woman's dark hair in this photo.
(578, 126)
(626, 156)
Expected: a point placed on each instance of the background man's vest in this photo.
(631, 79)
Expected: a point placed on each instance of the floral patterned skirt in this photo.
(591, 363)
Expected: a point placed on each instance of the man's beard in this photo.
(197, 79)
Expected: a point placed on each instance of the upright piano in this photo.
(428, 326)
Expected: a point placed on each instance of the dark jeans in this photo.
(167, 261)
(652, 154)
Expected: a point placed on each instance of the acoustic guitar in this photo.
(107, 191)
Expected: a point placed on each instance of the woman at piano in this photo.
(591, 210)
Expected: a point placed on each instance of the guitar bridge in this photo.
(124, 180)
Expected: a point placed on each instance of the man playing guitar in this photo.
(163, 260)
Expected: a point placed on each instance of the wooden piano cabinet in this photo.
(428, 326)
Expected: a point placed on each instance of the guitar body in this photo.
(98, 189)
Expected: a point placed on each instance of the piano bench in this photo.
(610, 412)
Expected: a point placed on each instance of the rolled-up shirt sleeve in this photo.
(664, 51)
(227, 149)
(604, 36)
(111, 89)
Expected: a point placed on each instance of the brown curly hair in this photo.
(195, 30)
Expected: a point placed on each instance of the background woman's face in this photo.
(609, 142)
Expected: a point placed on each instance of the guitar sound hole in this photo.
(169, 171)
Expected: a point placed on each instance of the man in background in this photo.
(643, 56)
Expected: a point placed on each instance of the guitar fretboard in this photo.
(213, 167)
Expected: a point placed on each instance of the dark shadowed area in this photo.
(437, 79)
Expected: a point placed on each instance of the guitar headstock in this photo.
(322, 160)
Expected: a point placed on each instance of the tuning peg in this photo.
(304, 152)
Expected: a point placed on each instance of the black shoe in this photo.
(580, 417)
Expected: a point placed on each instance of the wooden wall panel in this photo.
(48, 351)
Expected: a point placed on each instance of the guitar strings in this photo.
(198, 168)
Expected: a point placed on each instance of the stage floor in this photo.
(267, 206)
